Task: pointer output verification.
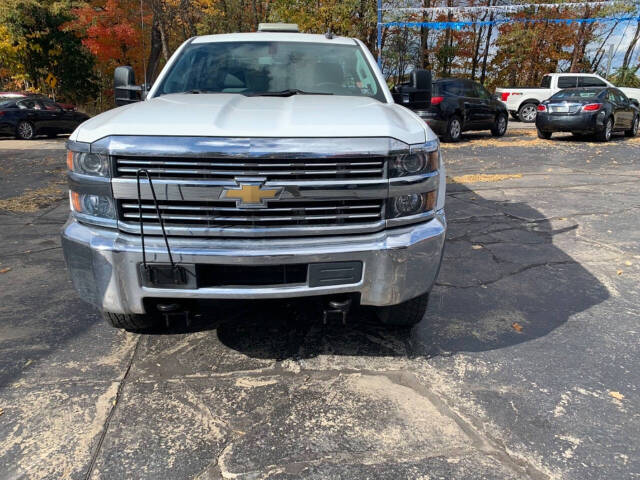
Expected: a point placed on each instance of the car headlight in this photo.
(419, 160)
(88, 163)
(94, 205)
(411, 204)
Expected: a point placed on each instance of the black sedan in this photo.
(459, 105)
(27, 117)
(588, 112)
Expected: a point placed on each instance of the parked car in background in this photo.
(459, 105)
(522, 103)
(27, 117)
(588, 111)
(16, 95)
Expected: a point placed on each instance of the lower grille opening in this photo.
(253, 276)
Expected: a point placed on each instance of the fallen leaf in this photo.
(561, 218)
(5, 270)
(517, 327)
(1, 410)
(476, 247)
(628, 263)
(28, 362)
(616, 395)
(619, 272)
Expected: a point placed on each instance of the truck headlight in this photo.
(419, 160)
(88, 163)
(94, 205)
(411, 204)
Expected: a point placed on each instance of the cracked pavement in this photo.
(525, 366)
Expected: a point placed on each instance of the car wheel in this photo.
(500, 126)
(454, 129)
(404, 314)
(544, 135)
(129, 322)
(25, 131)
(605, 134)
(528, 112)
(634, 127)
(514, 115)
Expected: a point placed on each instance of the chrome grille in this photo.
(281, 214)
(271, 169)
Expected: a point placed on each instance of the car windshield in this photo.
(6, 103)
(586, 93)
(280, 68)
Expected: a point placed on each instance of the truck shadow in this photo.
(503, 282)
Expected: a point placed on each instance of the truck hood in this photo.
(234, 115)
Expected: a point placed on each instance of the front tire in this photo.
(500, 126)
(454, 129)
(25, 131)
(527, 112)
(404, 314)
(544, 135)
(605, 134)
(128, 322)
(634, 127)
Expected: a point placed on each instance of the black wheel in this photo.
(25, 131)
(454, 129)
(129, 322)
(527, 112)
(634, 127)
(404, 314)
(605, 134)
(500, 126)
(545, 135)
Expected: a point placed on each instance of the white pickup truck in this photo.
(260, 165)
(522, 103)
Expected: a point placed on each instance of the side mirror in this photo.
(124, 86)
(415, 95)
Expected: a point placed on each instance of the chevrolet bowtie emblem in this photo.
(249, 194)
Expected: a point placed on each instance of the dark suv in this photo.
(458, 105)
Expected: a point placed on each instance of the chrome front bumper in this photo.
(398, 264)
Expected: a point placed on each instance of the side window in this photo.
(611, 96)
(567, 82)
(622, 98)
(481, 92)
(590, 82)
(546, 82)
(28, 104)
(50, 106)
(451, 88)
(470, 90)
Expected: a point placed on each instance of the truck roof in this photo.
(273, 36)
(572, 74)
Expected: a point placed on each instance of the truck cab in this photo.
(260, 165)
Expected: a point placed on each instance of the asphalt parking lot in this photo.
(525, 367)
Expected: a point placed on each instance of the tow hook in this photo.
(169, 310)
(336, 309)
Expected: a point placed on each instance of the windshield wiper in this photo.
(285, 93)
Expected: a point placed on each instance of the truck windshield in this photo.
(255, 68)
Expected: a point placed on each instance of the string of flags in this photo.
(498, 8)
(461, 24)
